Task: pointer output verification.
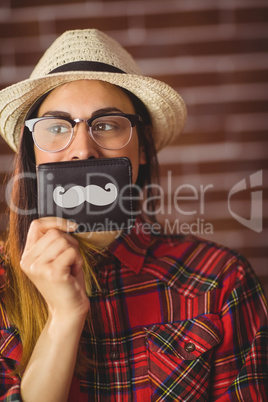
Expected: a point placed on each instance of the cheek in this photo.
(131, 151)
(134, 156)
(135, 169)
(38, 155)
(45, 157)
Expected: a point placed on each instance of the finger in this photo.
(58, 246)
(60, 270)
(48, 247)
(55, 264)
(69, 260)
(40, 226)
(60, 223)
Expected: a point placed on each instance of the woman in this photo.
(115, 315)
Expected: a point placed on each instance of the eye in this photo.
(106, 124)
(59, 128)
(103, 126)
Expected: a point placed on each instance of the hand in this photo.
(52, 261)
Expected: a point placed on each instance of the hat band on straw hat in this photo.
(87, 66)
(82, 65)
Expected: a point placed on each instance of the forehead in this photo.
(86, 95)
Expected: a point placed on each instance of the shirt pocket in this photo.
(180, 355)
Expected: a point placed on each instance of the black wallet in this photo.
(94, 193)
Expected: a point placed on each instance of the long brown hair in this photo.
(25, 306)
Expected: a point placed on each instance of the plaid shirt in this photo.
(178, 319)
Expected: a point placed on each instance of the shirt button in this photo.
(189, 347)
(114, 355)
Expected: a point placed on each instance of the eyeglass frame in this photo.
(134, 119)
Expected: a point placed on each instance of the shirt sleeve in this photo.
(10, 352)
(9, 383)
(240, 364)
(12, 395)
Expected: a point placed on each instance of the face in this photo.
(82, 99)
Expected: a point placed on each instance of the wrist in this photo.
(62, 325)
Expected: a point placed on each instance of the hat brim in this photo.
(166, 107)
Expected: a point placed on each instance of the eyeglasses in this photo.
(109, 131)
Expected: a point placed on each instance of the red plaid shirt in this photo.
(178, 319)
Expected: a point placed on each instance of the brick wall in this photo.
(215, 54)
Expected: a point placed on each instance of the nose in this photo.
(83, 146)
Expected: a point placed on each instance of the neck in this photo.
(101, 240)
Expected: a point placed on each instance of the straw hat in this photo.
(91, 54)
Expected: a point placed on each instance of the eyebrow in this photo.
(58, 113)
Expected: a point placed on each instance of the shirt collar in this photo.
(131, 246)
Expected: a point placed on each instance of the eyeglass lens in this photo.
(110, 132)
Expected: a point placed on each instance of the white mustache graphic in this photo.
(93, 194)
